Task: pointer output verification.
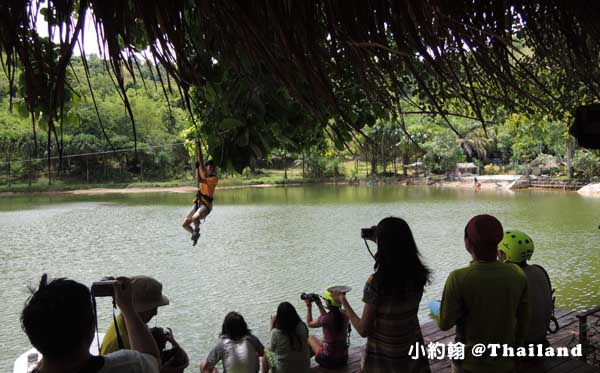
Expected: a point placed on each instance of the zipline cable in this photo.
(94, 153)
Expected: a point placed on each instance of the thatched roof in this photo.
(466, 166)
(336, 58)
(546, 161)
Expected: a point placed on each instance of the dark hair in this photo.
(287, 321)
(210, 163)
(398, 264)
(58, 318)
(234, 326)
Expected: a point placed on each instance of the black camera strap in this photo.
(119, 339)
(368, 248)
(96, 318)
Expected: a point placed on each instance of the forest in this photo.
(353, 93)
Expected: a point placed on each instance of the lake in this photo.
(262, 246)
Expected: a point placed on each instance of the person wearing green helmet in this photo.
(332, 351)
(517, 247)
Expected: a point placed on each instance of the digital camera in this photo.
(312, 297)
(103, 288)
(369, 233)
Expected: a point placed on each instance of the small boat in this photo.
(30, 359)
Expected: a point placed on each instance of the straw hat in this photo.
(147, 293)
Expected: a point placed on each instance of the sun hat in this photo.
(147, 293)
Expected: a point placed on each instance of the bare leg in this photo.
(315, 344)
(187, 225)
(265, 363)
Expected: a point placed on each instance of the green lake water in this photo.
(263, 246)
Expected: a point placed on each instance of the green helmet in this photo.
(329, 298)
(517, 246)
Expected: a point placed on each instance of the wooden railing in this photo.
(583, 330)
(558, 184)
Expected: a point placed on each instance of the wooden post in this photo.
(9, 170)
(570, 154)
(583, 335)
(303, 164)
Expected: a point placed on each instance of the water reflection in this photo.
(262, 246)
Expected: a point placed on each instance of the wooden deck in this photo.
(567, 336)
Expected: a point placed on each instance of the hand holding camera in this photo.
(124, 294)
(308, 298)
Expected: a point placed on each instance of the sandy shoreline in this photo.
(136, 190)
(192, 189)
(492, 184)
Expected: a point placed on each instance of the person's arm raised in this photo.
(322, 309)
(363, 324)
(309, 317)
(139, 336)
(201, 167)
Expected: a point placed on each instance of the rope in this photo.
(94, 153)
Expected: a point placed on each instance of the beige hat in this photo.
(147, 293)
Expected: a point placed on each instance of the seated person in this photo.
(147, 297)
(288, 351)
(486, 300)
(173, 360)
(238, 349)
(332, 352)
(517, 247)
(59, 320)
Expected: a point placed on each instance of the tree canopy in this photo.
(330, 65)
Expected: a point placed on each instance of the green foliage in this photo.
(492, 169)
(587, 162)
(443, 151)
(158, 126)
(245, 119)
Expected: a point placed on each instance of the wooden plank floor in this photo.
(567, 336)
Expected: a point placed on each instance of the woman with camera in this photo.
(288, 350)
(332, 352)
(392, 296)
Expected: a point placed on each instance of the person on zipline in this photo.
(207, 182)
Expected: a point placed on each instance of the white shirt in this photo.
(128, 361)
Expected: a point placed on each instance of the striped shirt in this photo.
(396, 330)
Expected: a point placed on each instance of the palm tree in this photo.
(476, 143)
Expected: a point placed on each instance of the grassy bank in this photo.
(262, 177)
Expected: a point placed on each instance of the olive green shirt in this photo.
(488, 303)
